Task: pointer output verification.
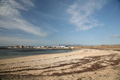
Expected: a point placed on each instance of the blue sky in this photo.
(53, 22)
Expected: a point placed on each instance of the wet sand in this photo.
(84, 64)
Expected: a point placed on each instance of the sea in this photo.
(14, 53)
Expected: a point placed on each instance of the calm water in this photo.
(12, 53)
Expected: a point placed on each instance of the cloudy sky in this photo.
(52, 22)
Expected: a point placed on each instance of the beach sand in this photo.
(84, 64)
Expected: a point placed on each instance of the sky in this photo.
(53, 22)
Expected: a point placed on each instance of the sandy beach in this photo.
(84, 64)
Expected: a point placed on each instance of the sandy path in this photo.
(85, 64)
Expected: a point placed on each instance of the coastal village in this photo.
(40, 47)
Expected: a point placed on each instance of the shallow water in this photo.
(13, 53)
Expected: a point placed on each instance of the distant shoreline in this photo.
(100, 47)
(38, 49)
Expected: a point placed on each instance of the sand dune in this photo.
(84, 64)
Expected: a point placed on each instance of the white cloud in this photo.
(115, 36)
(13, 40)
(27, 2)
(11, 17)
(82, 15)
(5, 41)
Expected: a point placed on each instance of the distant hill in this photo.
(109, 47)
